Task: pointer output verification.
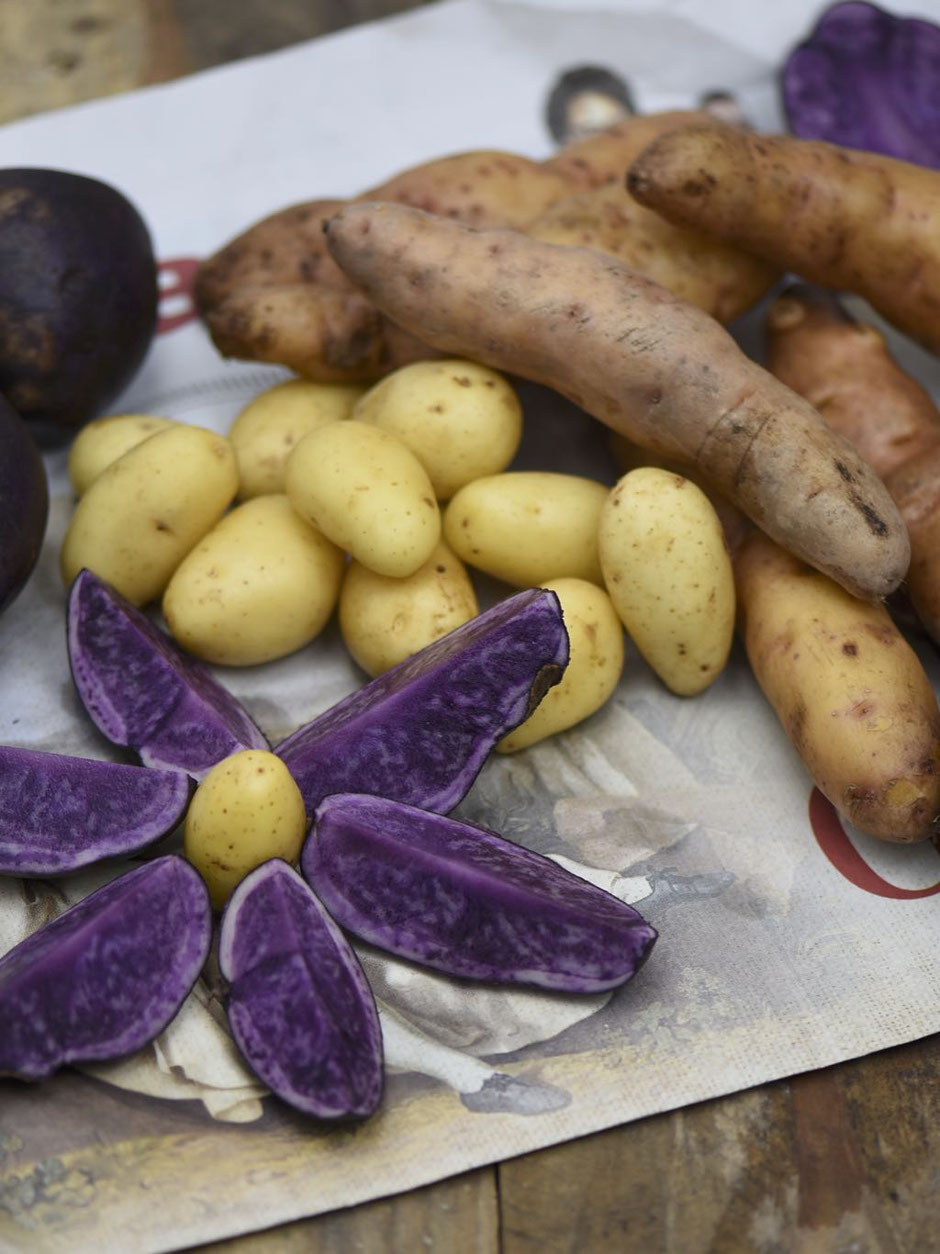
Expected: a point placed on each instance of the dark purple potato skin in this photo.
(58, 813)
(299, 1006)
(421, 732)
(466, 901)
(867, 79)
(142, 692)
(107, 976)
(24, 503)
(78, 296)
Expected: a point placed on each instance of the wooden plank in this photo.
(842, 1159)
(457, 1216)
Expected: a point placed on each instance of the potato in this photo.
(104, 440)
(527, 526)
(648, 365)
(143, 514)
(267, 429)
(260, 585)
(668, 572)
(246, 810)
(385, 620)
(366, 491)
(461, 420)
(596, 640)
(850, 692)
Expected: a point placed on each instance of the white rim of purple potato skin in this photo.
(406, 696)
(253, 1048)
(197, 723)
(78, 811)
(486, 887)
(183, 921)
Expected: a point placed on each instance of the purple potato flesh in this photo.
(142, 692)
(59, 813)
(107, 976)
(421, 732)
(867, 79)
(299, 1006)
(466, 901)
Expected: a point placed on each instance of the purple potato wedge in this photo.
(107, 976)
(59, 813)
(421, 732)
(143, 693)
(466, 901)
(299, 1006)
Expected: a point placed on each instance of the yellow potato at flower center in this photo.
(668, 572)
(368, 493)
(246, 810)
(525, 527)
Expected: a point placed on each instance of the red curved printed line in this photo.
(833, 840)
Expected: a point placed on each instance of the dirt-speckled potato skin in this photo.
(844, 367)
(714, 276)
(848, 220)
(848, 689)
(274, 294)
(647, 364)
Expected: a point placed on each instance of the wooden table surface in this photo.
(844, 1160)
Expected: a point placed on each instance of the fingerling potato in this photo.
(368, 493)
(260, 585)
(461, 420)
(595, 664)
(527, 526)
(266, 431)
(103, 440)
(385, 620)
(668, 572)
(144, 512)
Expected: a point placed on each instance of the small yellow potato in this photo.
(267, 429)
(668, 572)
(384, 620)
(595, 664)
(528, 526)
(246, 810)
(103, 440)
(460, 419)
(365, 490)
(145, 511)
(261, 584)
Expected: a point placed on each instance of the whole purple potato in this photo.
(78, 296)
(24, 503)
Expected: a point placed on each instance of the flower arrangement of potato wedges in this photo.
(787, 502)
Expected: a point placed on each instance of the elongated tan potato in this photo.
(853, 221)
(849, 690)
(144, 512)
(649, 365)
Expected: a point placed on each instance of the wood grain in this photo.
(842, 1160)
